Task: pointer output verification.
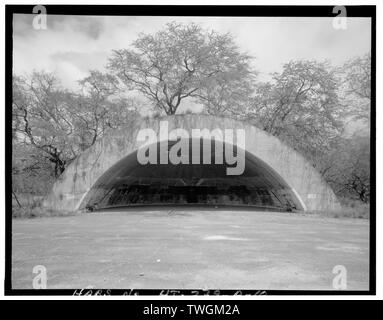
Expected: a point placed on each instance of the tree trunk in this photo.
(17, 200)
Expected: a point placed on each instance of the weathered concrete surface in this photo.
(191, 249)
(83, 173)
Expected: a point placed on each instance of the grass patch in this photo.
(33, 209)
(31, 206)
(350, 209)
(38, 212)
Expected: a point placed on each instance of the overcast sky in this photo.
(72, 45)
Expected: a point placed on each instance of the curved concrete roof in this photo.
(81, 175)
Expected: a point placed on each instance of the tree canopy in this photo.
(300, 106)
(356, 86)
(59, 123)
(184, 61)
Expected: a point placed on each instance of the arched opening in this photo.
(130, 183)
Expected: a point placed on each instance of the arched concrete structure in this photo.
(129, 182)
(73, 186)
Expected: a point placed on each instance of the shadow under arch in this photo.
(130, 183)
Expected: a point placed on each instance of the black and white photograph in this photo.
(173, 151)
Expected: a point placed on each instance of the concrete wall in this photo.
(80, 176)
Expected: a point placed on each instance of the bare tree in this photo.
(39, 105)
(356, 89)
(59, 123)
(347, 167)
(179, 62)
(230, 94)
(99, 108)
(300, 105)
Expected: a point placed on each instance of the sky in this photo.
(73, 45)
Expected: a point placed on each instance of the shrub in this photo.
(350, 208)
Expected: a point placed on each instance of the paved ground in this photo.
(191, 249)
